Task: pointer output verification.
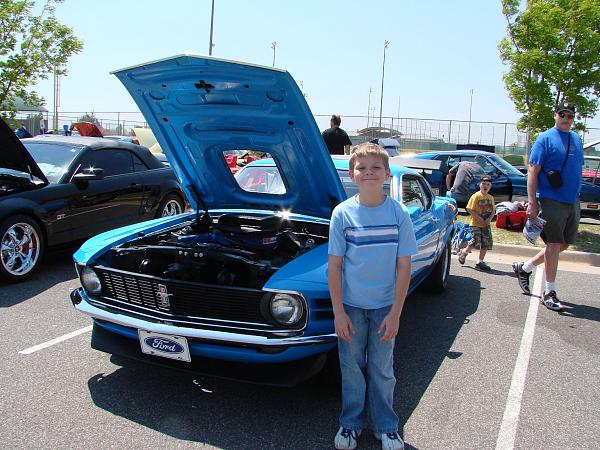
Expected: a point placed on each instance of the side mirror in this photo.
(89, 174)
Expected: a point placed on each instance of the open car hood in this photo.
(14, 154)
(198, 107)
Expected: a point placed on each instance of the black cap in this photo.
(565, 106)
(485, 178)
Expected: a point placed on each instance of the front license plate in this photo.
(164, 345)
(592, 206)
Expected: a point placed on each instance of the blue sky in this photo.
(439, 50)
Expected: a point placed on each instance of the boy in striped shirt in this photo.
(371, 240)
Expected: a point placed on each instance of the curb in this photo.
(593, 259)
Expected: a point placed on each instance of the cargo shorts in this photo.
(562, 221)
(481, 238)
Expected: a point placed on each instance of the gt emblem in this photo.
(162, 297)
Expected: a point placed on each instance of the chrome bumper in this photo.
(82, 305)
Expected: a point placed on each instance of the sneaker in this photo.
(462, 257)
(390, 441)
(522, 276)
(346, 438)
(482, 265)
(550, 301)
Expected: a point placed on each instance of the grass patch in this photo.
(588, 237)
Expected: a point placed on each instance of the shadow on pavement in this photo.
(234, 415)
(56, 268)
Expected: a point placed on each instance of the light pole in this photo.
(470, 108)
(385, 46)
(369, 107)
(56, 99)
(212, 20)
(274, 46)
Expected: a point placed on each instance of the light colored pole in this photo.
(470, 108)
(369, 107)
(274, 46)
(385, 46)
(56, 99)
(212, 20)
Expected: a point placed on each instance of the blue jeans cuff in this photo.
(352, 427)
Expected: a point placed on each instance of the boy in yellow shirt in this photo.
(481, 208)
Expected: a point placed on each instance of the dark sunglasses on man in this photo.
(562, 115)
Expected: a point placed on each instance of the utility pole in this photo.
(385, 46)
(274, 46)
(212, 20)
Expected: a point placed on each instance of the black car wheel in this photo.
(171, 205)
(438, 279)
(21, 248)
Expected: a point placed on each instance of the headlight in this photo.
(286, 309)
(90, 281)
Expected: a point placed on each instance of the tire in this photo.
(171, 205)
(21, 248)
(437, 280)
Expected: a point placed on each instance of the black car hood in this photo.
(14, 154)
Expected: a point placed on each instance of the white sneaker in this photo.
(390, 441)
(346, 438)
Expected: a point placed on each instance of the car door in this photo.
(110, 202)
(418, 199)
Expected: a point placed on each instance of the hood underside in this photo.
(15, 156)
(200, 107)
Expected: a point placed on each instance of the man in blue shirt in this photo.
(556, 198)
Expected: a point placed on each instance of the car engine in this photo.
(238, 250)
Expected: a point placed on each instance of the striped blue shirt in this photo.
(370, 239)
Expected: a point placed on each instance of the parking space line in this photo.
(54, 341)
(510, 420)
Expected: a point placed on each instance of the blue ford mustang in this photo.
(239, 287)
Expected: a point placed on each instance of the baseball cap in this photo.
(485, 178)
(565, 106)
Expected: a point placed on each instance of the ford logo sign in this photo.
(164, 345)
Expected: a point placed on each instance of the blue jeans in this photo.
(367, 365)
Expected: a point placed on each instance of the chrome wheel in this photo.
(20, 249)
(171, 208)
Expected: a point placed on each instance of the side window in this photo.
(113, 161)
(427, 195)
(412, 195)
(452, 161)
(138, 164)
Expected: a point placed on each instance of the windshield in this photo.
(506, 166)
(53, 158)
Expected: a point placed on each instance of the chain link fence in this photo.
(413, 134)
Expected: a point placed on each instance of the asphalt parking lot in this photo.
(481, 366)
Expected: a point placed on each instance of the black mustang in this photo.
(60, 189)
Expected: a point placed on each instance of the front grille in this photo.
(181, 299)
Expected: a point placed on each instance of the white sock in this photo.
(528, 266)
(550, 286)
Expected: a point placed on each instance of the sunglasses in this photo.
(562, 115)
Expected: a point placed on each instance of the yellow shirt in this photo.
(482, 204)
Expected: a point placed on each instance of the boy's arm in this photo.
(343, 325)
(389, 327)
(475, 214)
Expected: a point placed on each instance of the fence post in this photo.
(504, 144)
(449, 133)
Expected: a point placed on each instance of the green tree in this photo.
(32, 47)
(552, 49)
